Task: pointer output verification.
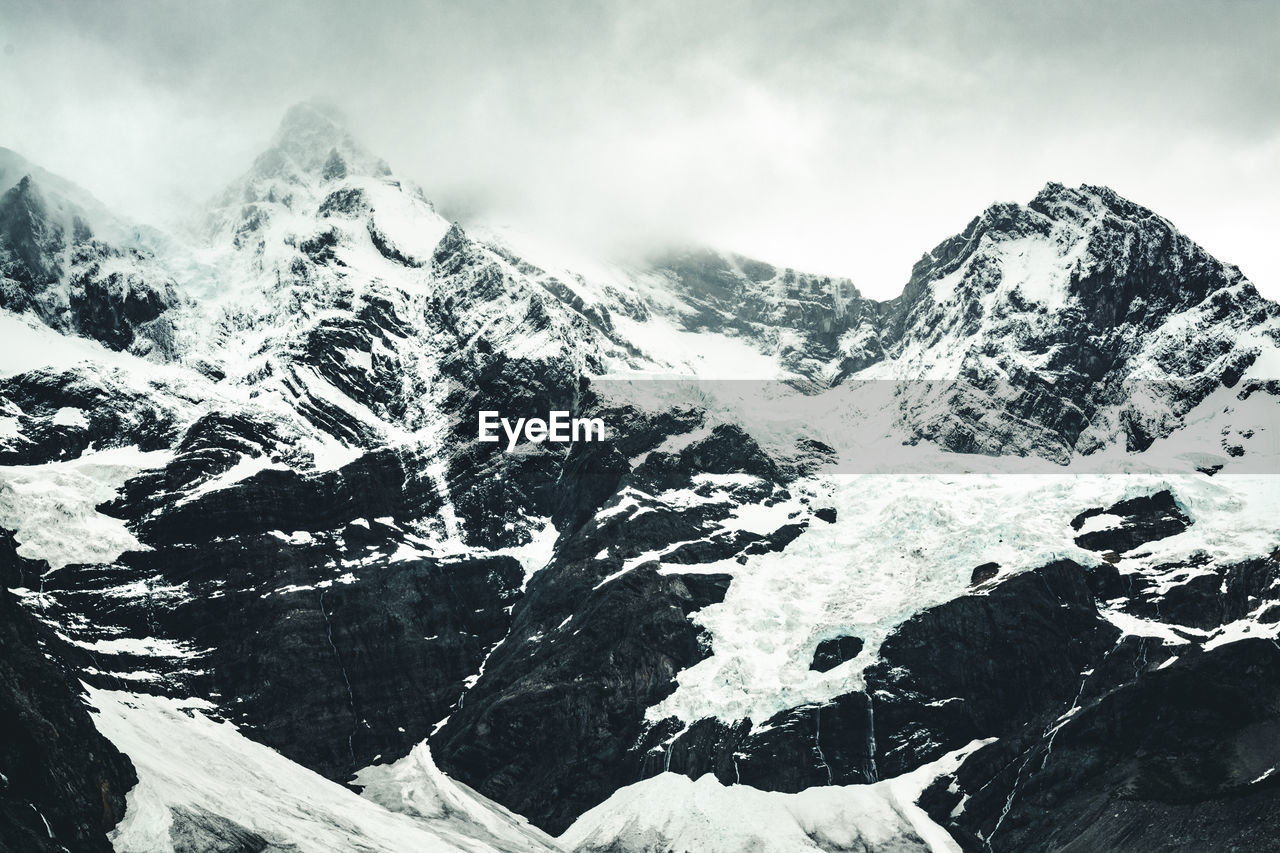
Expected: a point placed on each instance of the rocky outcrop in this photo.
(552, 728)
(1181, 757)
(334, 647)
(1131, 523)
(984, 664)
(59, 414)
(52, 267)
(754, 300)
(62, 784)
(561, 703)
(834, 651)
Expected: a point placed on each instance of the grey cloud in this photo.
(836, 136)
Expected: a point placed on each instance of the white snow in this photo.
(1100, 522)
(414, 786)
(184, 759)
(29, 344)
(72, 417)
(143, 647)
(52, 507)
(903, 543)
(1034, 267)
(706, 355)
(245, 467)
(297, 537)
(672, 812)
(1145, 627)
(535, 554)
(626, 500)
(1243, 629)
(403, 218)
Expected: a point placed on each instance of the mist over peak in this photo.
(840, 138)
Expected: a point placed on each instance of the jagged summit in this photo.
(313, 135)
(1086, 250)
(1089, 203)
(1083, 194)
(28, 240)
(311, 146)
(52, 267)
(1091, 245)
(33, 239)
(311, 152)
(1084, 291)
(67, 200)
(311, 117)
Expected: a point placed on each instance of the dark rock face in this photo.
(62, 784)
(832, 652)
(51, 266)
(1142, 520)
(552, 727)
(983, 573)
(1167, 742)
(829, 744)
(982, 665)
(30, 242)
(117, 308)
(1180, 758)
(332, 665)
(378, 484)
(114, 416)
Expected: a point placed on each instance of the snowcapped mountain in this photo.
(1080, 307)
(107, 288)
(991, 565)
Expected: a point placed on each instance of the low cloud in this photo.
(838, 137)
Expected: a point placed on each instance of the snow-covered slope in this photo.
(204, 786)
(658, 814)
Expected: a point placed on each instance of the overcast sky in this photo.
(839, 137)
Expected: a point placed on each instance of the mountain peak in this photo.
(1053, 190)
(312, 121)
(313, 138)
(23, 188)
(1089, 202)
(1014, 269)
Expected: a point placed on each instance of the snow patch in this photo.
(903, 543)
(672, 812)
(53, 507)
(70, 417)
(415, 786)
(186, 760)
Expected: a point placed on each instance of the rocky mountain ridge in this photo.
(259, 499)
